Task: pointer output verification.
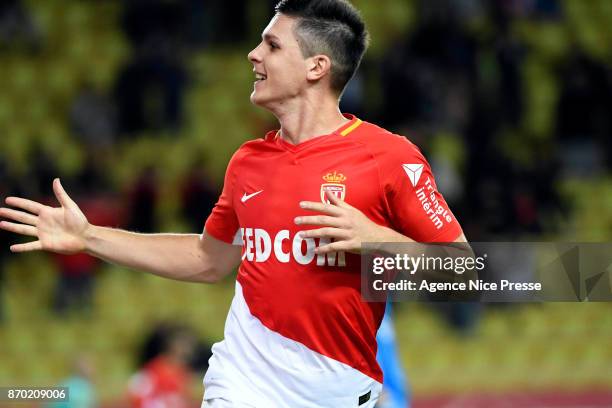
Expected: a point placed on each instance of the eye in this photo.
(273, 45)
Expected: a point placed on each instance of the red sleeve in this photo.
(222, 222)
(417, 209)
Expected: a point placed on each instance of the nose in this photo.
(254, 56)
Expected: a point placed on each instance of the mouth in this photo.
(260, 77)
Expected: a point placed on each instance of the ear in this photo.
(318, 66)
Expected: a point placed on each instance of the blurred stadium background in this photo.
(138, 105)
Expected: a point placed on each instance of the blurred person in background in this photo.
(75, 283)
(81, 390)
(149, 93)
(4, 240)
(164, 379)
(198, 195)
(142, 199)
(223, 25)
(150, 87)
(157, 339)
(584, 123)
(93, 118)
(395, 393)
(17, 28)
(298, 332)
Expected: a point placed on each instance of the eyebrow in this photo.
(270, 37)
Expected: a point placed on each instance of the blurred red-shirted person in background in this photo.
(163, 382)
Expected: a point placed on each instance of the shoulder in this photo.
(385, 146)
(248, 148)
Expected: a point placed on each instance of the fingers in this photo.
(28, 205)
(30, 246)
(19, 216)
(333, 209)
(333, 247)
(337, 201)
(61, 194)
(19, 228)
(334, 199)
(319, 220)
(320, 207)
(326, 232)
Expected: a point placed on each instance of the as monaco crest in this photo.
(334, 185)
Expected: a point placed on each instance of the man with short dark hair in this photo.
(298, 333)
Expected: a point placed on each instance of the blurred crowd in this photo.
(470, 84)
(457, 82)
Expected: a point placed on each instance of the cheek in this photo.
(288, 73)
(292, 74)
(281, 76)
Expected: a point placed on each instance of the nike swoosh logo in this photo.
(247, 197)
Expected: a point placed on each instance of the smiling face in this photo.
(279, 66)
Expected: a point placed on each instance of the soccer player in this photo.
(295, 208)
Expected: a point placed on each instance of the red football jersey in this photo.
(314, 300)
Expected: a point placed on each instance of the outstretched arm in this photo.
(65, 229)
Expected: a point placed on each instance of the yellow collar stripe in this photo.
(351, 128)
(343, 133)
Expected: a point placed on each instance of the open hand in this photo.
(58, 229)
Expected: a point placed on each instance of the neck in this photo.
(308, 119)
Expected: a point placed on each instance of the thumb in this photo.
(61, 194)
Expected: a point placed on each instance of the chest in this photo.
(269, 188)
